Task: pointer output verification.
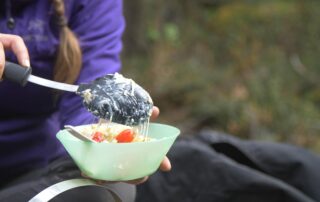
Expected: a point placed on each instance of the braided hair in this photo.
(69, 57)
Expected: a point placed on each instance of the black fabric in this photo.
(219, 167)
(29, 185)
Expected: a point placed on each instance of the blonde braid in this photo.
(69, 56)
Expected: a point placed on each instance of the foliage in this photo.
(249, 68)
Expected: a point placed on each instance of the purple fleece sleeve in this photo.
(99, 26)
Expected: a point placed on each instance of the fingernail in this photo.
(26, 63)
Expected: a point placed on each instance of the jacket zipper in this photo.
(10, 20)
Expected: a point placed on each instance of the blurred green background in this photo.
(248, 68)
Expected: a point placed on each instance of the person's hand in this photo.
(165, 164)
(17, 46)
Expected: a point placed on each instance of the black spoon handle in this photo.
(16, 73)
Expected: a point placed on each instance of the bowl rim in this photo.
(177, 133)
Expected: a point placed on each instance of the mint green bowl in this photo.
(120, 161)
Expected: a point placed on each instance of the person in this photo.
(74, 41)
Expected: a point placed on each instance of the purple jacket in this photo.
(29, 116)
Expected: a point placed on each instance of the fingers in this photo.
(17, 45)
(102, 182)
(2, 60)
(155, 113)
(21, 51)
(99, 182)
(165, 164)
(138, 181)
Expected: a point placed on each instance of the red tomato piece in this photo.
(98, 137)
(125, 136)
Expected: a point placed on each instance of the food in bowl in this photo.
(114, 133)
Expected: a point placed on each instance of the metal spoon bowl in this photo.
(117, 99)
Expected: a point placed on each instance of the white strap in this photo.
(58, 188)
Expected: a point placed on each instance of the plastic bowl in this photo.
(120, 161)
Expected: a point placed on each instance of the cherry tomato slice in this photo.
(98, 137)
(125, 136)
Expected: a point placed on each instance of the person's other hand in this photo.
(17, 46)
(165, 164)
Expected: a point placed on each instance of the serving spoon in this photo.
(73, 131)
(112, 97)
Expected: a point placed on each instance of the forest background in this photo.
(249, 68)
